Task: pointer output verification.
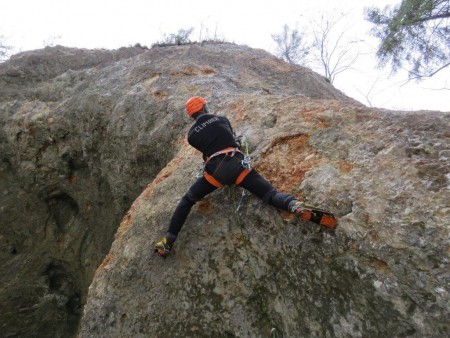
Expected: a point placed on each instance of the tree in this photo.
(179, 38)
(415, 33)
(5, 50)
(324, 45)
(290, 45)
(208, 35)
(333, 50)
(51, 41)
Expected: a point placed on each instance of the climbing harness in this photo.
(230, 151)
(234, 170)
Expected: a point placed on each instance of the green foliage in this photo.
(415, 34)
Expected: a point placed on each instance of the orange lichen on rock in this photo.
(287, 160)
(207, 70)
(239, 240)
(205, 206)
(193, 70)
(238, 109)
(186, 71)
(345, 167)
(312, 115)
(105, 262)
(379, 264)
(160, 95)
(322, 124)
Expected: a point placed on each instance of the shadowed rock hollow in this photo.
(84, 132)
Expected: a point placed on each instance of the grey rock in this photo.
(83, 134)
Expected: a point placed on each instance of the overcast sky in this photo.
(30, 24)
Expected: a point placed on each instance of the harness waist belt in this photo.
(227, 150)
(241, 174)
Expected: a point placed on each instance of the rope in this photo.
(274, 332)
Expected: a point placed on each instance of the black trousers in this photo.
(253, 182)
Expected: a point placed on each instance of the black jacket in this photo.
(211, 133)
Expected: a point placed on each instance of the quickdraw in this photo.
(246, 163)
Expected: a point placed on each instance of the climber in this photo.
(224, 165)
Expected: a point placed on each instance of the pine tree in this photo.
(414, 35)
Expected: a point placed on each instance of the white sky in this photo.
(27, 24)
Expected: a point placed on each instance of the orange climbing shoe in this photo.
(309, 213)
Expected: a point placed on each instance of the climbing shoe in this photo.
(296, 206)
(164, 246)
(309, 213)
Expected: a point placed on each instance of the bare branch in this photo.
(420, 76)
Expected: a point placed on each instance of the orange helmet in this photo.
(194, 104)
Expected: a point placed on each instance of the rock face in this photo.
(83, 132)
